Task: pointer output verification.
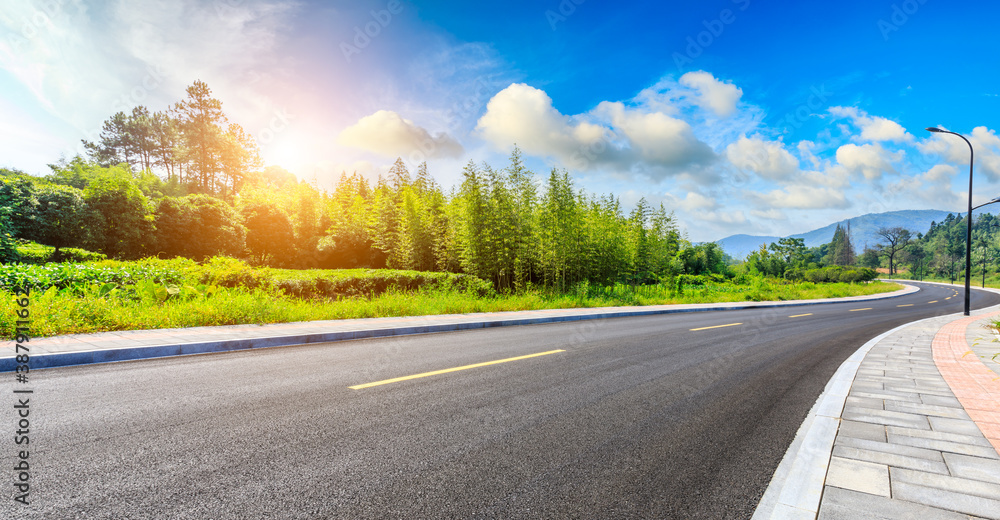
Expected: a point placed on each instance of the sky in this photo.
(741, 116)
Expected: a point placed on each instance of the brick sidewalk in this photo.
(911, 442)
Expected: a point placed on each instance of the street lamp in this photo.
(968, 231)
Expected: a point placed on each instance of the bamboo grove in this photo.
(502, 225)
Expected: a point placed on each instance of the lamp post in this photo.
(968, 232)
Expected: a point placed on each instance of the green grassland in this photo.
(109, 295)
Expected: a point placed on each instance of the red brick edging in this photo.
(976, 386)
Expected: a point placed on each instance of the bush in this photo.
(60, 276)
(325, 283)
(838, 273)
(35, 253)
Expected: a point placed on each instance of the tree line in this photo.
(502, 225)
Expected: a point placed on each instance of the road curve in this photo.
(670, 416)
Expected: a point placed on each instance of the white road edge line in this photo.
(796, 487)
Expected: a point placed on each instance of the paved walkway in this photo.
(920, 429)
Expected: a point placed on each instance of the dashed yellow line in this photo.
(950, 297)
(935, 301)
(801, 315)
(447, 370)
(907, 305)
(865, 309)
(717, 326)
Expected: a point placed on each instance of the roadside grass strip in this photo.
(455, 369)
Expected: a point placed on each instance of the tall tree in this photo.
(896, 239)
(201, 120)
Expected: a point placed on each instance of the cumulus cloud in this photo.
(803, 197)
(870, 160)
(873, 128)
(954, 150)
(769, 159)
(712, 94)
(612, 135)
(387, 133)
(692, 201)
(770, 214)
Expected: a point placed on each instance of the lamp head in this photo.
(934, 129)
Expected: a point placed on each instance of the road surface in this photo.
(668, 416)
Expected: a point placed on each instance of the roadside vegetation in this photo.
(172, 220)
(150, 294)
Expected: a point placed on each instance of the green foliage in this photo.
(59, 217)
(120, 218)
(833, 274)
(35, 253)
(18, 201)
(197, 227)
(67, 275)
(269, 229)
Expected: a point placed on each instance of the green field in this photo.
(151, 294)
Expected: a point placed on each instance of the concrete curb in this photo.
(85, 357)
(796, 488)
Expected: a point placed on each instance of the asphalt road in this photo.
(630, 418)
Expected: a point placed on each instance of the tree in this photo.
(269, 230)
(200, 119)
(896, 239)
(60, 217)
(197, 227)
(841, 251)
(120, 219)
(870, 258)
(17, 196)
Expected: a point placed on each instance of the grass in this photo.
(98, 308)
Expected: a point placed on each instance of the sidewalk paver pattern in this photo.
(918, 436)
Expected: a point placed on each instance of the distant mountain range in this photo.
(863, 230)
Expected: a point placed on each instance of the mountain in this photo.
(863, 230)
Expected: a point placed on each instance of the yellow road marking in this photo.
(907, 305)
(801, 315)
(447, 370)
(948, 298)
(717, 326)
(865, 309)
(935, 301)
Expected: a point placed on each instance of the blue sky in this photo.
(742, 116)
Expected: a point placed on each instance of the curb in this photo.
(86, 357)
(796, 487)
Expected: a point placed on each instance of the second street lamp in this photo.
(968, 232)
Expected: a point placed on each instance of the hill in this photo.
(863, 230)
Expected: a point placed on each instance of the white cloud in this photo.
(83, 62)
(770, 214)
(692, 201)
(611, 136)
(873, 128)
(803, 197)
(386, 133)
(984, 141)
(870, 160)
(712, 94)
(769, 159)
